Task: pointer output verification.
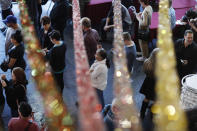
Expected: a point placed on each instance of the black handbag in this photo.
(144, 35)
(4, 66)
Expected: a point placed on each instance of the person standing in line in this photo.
(44, 33)
(15, 89)
(172, 15)
(91, 39)
(6, 8)
(16, 53)
(56, 58)
(144, 19)
(107, 23)
(59, 15)
(25, 121)
(130, 49)
(148, 86)
(11, 22)
(186, 53)
(98, 73)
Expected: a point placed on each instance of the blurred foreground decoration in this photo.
(169, 115)
(89, 115)
(128, 116)
(55, 111)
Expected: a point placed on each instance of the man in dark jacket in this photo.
(186, 54)
(56, 57)
(35, 10)
(59, 15)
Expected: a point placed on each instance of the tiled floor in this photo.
(69, 94)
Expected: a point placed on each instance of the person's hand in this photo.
(3, 83)
(99, 46)
(184, 62)
(191, 23)
(43, 52)
(91, 71)
(106, 27)
(3, 77)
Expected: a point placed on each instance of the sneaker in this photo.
(142, 59)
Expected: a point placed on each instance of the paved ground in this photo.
(69, 94)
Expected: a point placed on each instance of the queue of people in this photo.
(50, 31)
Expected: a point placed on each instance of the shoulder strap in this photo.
(23, 87)
(28, 126)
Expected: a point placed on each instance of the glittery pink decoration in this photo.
(90, 118)
(123, 92)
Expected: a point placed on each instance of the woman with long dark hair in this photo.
(98, 73)
(15, 89)
(148, 86)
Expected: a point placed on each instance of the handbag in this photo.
(143, 35)
(4, 66)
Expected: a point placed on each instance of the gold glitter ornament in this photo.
(127, 116)
(169, 115)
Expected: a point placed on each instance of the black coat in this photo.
(189, 53)
(15, 93)
(59, 15)
(56, 57)
(45, 40)
(148, 88)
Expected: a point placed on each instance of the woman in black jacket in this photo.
(148, 86)
(15, 89)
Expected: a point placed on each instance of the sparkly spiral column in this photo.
(123, 92)
(170, 116)
(90, 118)
(57, 117)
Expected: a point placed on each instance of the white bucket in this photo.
(189, 91)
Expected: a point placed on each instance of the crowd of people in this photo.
(50, 31)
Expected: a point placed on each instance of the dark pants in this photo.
(59, 81)
(100, 97)
(5, 13)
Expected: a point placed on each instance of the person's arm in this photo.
(110, 14)
(193, 26)
(10, 126)
(144, 20)
(11, 62)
